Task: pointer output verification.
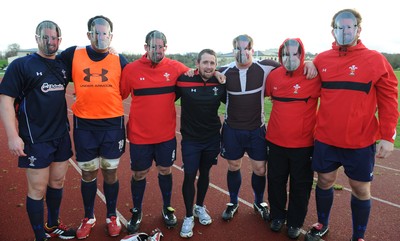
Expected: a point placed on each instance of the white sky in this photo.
(191, 26)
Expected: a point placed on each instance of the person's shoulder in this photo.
(227, 66)
(170, 61)
(185, 78)
(268, 62)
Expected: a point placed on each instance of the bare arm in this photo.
(15, 143)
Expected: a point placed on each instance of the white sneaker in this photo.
(187, 227)
(201, 213)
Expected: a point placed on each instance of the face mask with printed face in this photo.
(291, 55)
(345, 30)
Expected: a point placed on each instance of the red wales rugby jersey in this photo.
(152, 117)
(358, 102)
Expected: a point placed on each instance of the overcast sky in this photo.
(191, 26)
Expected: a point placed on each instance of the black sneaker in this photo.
(262, 209)
(293, 232)
(316, 233)
(61, 231)
(277, 224)
(133, 225)
(229, 211)
(169, 217)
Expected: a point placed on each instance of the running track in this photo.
(14, 224)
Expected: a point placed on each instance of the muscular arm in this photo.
(15, 143)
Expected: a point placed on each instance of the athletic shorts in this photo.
(90, 144)
(236, 142)
(358, 164)
(41, 155)
(142, 155)
(196, 154)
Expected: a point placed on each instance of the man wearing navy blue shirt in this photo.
(201, 96)
(40, 138)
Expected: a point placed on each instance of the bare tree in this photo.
(12, 50)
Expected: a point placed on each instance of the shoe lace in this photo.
(187, 223)
(62, 226)
(230, 208)
(84, 221)
(113, 220)
(202, 211)
(169, 211)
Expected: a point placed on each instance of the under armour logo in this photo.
(323, 70)
(193, 90)
(39, 73)
(32, 160)
(89, 75)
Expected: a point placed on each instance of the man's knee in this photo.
(90, 166)
(109, 164)
(164, 170)
(140, 175)
(234, 165)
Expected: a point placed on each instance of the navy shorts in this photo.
(236, 142)
(142, 155)
(196, 154)
(41, 155)
(358, 164)
(90, 144)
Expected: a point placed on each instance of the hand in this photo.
(310, 70)
(111, 50)
(221, 77)
(16, 146)
(190, 72)
(384, 149)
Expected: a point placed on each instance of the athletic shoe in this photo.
(133, 225)
(229, 211)
(113, 226)
(85, 227)
(201, 213)
(316, 233)
(262, 209)
(169, 217)
(155, 235)
(277, 224)
(187, 227)
(61, 231)
(293, 232)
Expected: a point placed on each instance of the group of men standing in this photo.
(102, 80)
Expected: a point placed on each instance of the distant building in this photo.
(22, 53)
(258, 55)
